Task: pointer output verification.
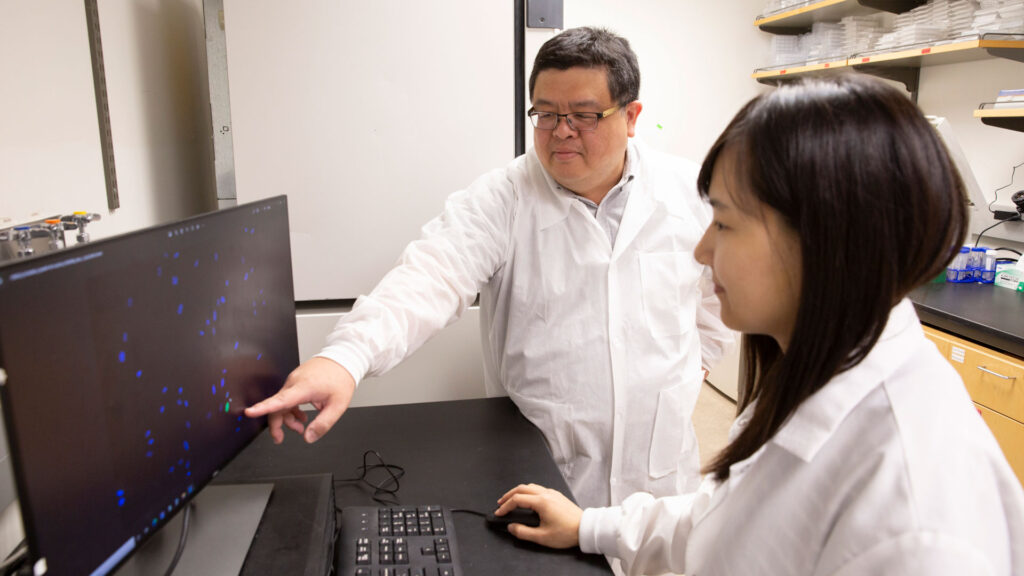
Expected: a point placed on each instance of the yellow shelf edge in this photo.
(798, 11)
(1000, 113)
(800, 69)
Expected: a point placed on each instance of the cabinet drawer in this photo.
(993, 379)
(1010, 435)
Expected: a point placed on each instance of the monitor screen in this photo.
(128, 363)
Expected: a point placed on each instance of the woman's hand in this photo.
(559, 517)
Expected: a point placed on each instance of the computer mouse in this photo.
(523, 516)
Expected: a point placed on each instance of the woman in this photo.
(857, 450)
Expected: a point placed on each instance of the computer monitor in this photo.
(128, 363)
(982, 215)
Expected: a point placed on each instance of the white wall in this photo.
(154, 53)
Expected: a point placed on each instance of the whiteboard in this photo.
(367, 115)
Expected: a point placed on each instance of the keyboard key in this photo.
(395, 531)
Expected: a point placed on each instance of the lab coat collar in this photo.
(555, 206)
(814, 421)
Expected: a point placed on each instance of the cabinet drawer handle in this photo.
(996, 374)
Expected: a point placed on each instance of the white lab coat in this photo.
(601, 347)
(888, 469)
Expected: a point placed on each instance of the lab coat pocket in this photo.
(554, 421)
(669, 285)
(669, 438)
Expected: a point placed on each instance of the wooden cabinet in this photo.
(995, 382)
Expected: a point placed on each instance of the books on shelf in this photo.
(1010, 99)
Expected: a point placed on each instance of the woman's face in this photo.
(754, 257)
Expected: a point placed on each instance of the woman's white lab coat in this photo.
(888, 469)
(601, 347)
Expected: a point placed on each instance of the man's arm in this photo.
(436, 279)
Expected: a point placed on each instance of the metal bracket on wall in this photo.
(99, 82)
(544, 14)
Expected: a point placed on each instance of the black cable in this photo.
(996, 194)
(468, 511)
(1013, 218)
(385, 491)
(1008, 250)
(181, 540)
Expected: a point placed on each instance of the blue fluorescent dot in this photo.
(222, 382)
(180, 389)
(162, 408)
(214, 256)
(261, 291)
(176, 254)
(188, 464)
(186, 445)
(259, 356)
(239, 429)
(129, 302)
(223, 299)
(208, 320)
(190, 488)
(174, 280)
(148, 433)
(182, 460)
(120, 502)
(162, 513)
(202, 333)
(151, 441)
(159, 271)
(214, 315)
(209, 415)
(120, 492)
(213, 330)
(186, 403)
(165, 390)
(149, 454)
(189, 473)
(255, 313)
(251, 270)
(169, 508)
(196, 264)
(120, 356)
(188, 424)
(246, 277)
(227, 282)
(264, 302)
(239, 418)
(138, 374)
(124, 337)
(236, 344)
(179, 401)
(169, 471)
(154, 521)
(214, 389)
(181, 307)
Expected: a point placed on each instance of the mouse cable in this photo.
(468, 511)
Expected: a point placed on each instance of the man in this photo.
(596, 319)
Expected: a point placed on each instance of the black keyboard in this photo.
(399, 541)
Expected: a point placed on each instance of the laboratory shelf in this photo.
(904, 63)
(1008, 118)
(799, 19)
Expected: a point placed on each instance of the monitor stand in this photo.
(223, 524)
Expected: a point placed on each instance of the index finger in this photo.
(521, 489)
(285, 399)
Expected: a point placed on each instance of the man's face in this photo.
(587, 162)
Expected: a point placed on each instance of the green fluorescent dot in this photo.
(659, 127)
(226, 406)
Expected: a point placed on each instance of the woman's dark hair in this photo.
(592, 48)
(850, 164)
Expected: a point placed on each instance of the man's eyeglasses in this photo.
(579, 121)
